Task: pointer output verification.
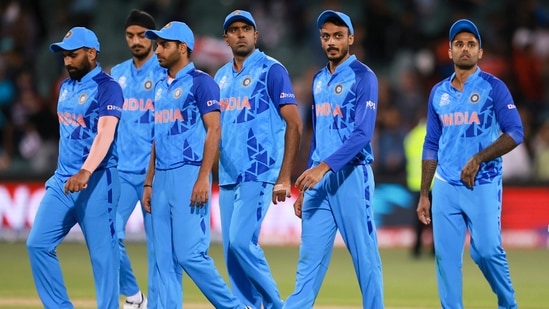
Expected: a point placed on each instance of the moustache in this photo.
(332, 48)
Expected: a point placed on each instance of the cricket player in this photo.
(85, 187)
(178, 181)
(260, 136)
(337, 190)
(137, 77)
(471, 122)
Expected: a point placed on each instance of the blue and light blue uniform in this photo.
(181, 232)
(81, 104)
(135, 134)
(459, 125)
(251, 154)
(344, 116)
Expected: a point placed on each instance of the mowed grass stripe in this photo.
(408, 283)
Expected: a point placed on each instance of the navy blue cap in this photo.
(173, 31)
(238, 15)
(76, 38)
(464, 25)
(341, 16)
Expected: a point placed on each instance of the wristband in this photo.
(150, 186)
(280, 187)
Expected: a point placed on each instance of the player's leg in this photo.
(153, 277)
(241, 286)
(52, 222)
(252, 200)
(318, 230)
(126, 205)
(171, 292)
(352, 206)
(191, 241)
(486, 244)
(449, 231)
(96, 214)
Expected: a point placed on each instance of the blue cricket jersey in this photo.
(80, 105)
(135, 131)
(344, 115)
(179, 131)
(252, 134)
(461, 123)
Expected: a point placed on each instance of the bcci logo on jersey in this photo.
(82, 99)
(178, 92)
(148, 85)
(474, 98)
(246, 82)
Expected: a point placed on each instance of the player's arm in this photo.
(513, 133)
(280, 90)
(429, 162)
(106, 129)
(201, 189)
(292, 138)
(147, 185)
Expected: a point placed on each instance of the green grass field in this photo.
(409, 283)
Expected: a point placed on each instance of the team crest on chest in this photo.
(338, 89)
(177, 93)
(82, 99)
(474, 98)
(247, 81)
(148, 85)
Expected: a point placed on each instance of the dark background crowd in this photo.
(404, 42)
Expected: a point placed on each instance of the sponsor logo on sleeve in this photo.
(284, 95)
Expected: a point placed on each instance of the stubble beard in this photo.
(78, 73)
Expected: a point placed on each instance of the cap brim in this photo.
(152, 34)
(237, 18)
(59, 47)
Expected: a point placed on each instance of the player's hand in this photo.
(201, 192)
(281, 192)
(77, 182)
(424, 210)
(311, 177)
(297, 205)
(146, 199)
(469, 172)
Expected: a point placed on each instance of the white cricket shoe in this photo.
(132, 305)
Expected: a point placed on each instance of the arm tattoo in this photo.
(428, 168)
(501, 146)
